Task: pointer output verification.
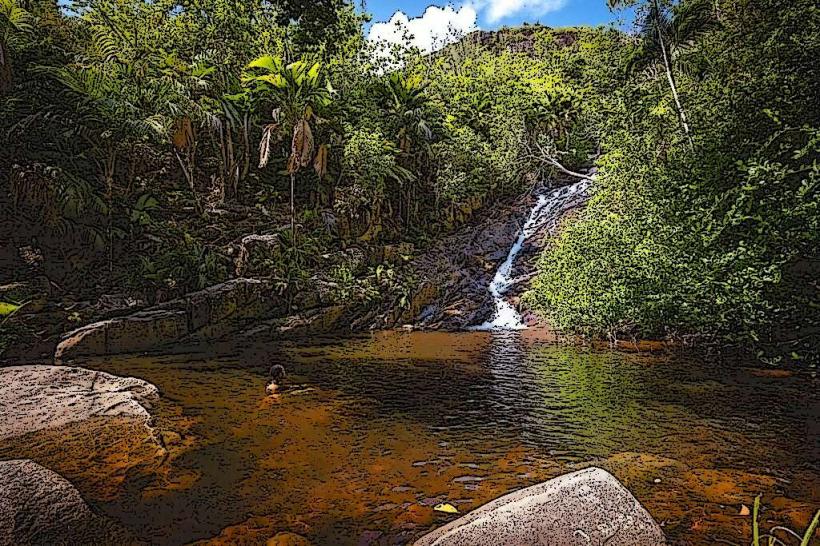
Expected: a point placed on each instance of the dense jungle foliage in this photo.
(713, 232)
(142, 141)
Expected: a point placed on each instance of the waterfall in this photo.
(548, 209)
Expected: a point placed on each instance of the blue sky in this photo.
(555, 14)
(433, 24)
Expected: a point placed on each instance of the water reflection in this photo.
(380, 427)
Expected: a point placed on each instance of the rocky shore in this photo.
(588, 506)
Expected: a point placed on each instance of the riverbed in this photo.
(373, 431)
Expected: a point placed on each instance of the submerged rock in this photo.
(38, 506)
(34, 398)
(288, 539)
(589, 506)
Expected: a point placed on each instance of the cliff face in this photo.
(519, 39)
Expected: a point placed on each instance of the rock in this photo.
(129, 334)
(35, 397)
(35, 288)
(424, 296)
(396, 254)
(355, 259)
(253, 248)
(90, 339)
(109, 305)
(287, 539)
(144, 330)
(589, 506)
(212, 311)
(38, 506)
(315, 321)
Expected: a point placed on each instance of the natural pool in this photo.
(375, 430)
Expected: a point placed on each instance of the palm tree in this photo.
(663, 28)
(300, 95)
(405, 101)
(14, 20)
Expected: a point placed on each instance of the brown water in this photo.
(375, 431)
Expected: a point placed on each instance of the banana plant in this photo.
(301, 95)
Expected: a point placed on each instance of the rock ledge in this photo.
(38, 506)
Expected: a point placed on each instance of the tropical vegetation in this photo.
(141, 141)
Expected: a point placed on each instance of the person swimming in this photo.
(276, 379)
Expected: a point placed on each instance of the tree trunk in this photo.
(669, 76)
(5, 68)
(545, 156)
(110, 164)
(293, 208)
(246, 158)
(188, 173)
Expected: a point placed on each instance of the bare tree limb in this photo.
(546, 157)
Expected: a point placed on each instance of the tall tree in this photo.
(661, 29)
(405, 102)
(300, 94)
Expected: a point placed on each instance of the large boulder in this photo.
(34, 398)
(588, 507)
(207, 313)
(38, 506)
(129, 334)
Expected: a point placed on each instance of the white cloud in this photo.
(501, 9)
(434, 29)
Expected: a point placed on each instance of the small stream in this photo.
(547, 210)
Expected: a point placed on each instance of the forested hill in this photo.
(143, 144)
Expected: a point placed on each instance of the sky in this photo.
(428, 23)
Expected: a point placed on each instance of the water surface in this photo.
(374, 431)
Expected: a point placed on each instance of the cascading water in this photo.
(549, 208)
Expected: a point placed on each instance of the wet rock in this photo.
(133, 333)
(369, 537)
(38, 506)
(585, 507)
(423, 297)
(34, 398)
(288, 539)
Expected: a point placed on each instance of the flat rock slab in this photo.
(211, 313)
(588, 507)
(36, 397)
(38, 506)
